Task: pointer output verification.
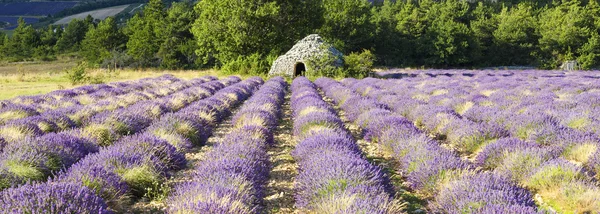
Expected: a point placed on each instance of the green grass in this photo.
(25, 170)
(141, 179)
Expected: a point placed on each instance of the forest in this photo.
(250, 34)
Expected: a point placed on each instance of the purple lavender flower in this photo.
(51, 198)
(473, 193)
(19, 130)
(492, 155)
(101, 181)
(159, 148)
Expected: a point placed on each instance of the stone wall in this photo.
(307, 48)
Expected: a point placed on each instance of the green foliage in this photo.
(142, 44)
(229, 29)
(22, 44)
(515, 36)
(564, 30)
(74, 33)
(450, 40)
(359, 65)
(391, 47)
(144, 32)
(483, 25)
(101, 40)
(250, 65)
(78, 74)
(49, 36)
(226, 30)
(324, 65)
(177, 50)
(347, 24)
(245, 35)
(589, 53)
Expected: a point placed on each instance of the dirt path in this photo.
(280, 186)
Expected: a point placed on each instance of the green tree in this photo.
(142, 44)
(347, 24)
(178, 47)
(450, 42)
(483, 25)
(243, 30)
(143, 31)
(412, 22)
(589, 53)
(48, 39)
(359, 65)
(228, 29)
(3, 42)
(22, 43)
(100, 41)
(74, 33)
(390, 45)
(563, 30)
(297, 19)
(515, 38)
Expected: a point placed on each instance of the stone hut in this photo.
(294, 62)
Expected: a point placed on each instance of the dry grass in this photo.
(30, 78)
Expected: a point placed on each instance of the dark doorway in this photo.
(299, 69)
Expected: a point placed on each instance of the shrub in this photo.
(359, 65)
(254, 64)
(324, 65)
(78, 74)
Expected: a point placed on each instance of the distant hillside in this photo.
(30, 11)
(96, 14)
(34, 8)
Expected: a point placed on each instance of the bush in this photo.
(254, 64)
(359, 65)
(78, 74)
(324, 66)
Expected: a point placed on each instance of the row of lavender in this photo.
(542, 155)
(26, 106)
(36, 157)
(553, 118)
(129, 167)
(75, 116)
(452, 185)
(232, 176)
(334, 176)
(559, 111)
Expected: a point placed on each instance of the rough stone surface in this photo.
(307, 48)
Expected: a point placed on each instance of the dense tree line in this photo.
(251, 33)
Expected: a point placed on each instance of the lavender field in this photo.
(422, 141)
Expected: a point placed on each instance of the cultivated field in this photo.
(96, 14)
(34, 8)
(435, 141)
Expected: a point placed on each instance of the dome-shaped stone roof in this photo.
(294, 62)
